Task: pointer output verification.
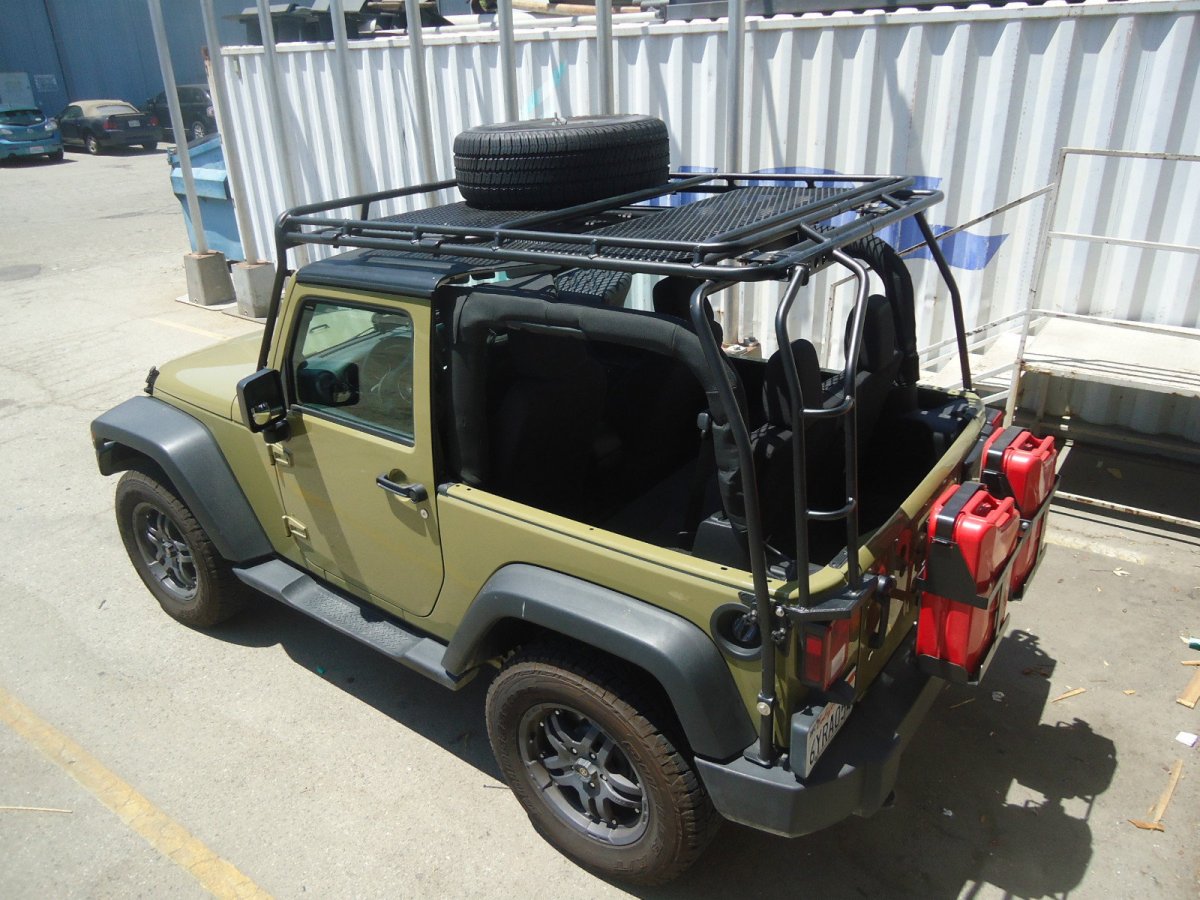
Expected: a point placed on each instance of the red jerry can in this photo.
(1017, 464)
(972, 535)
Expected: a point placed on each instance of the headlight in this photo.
(51, 124)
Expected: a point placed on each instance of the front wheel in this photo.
(173, 555)
(587, 754)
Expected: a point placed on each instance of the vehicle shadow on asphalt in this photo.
(959, 821)
(451, 719)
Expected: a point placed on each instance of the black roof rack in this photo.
(713, 226)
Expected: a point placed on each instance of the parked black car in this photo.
(98, 124)
(196, 105)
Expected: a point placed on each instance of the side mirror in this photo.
(327, 387)
(260, 397)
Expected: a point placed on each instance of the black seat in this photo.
(772, 445)
(879, 362)
(547, 425)
(673, 297)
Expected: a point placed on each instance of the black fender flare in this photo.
(186, 451)
(675, 652)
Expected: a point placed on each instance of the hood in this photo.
(208, 378)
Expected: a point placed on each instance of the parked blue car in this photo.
(25, 131)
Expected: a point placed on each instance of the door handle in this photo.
(414, 492)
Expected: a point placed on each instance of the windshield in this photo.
(115, 109)
(21, 117)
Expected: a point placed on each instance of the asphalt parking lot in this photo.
(140, 758)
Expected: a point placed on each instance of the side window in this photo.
(355, 365)
(71, 112)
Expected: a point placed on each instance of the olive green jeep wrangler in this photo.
(503, 434)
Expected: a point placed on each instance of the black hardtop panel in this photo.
(388, 271)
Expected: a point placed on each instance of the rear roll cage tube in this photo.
(764, 752)
(960, 327)
(799, 450)
(850, 389)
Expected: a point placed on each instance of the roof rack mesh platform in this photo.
(720, 227)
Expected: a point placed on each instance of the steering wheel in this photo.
(386, 382)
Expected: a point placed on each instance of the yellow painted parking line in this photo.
(215, 874)
(192, 328)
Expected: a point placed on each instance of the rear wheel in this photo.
(588, 755)
(57, 155)
(91, 144)
(554, 163)
(151, 145)
(197, 130)
(173, 555)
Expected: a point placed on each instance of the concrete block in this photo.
(208, 282)
(252, 283)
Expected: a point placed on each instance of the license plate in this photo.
(135, 123)
(814, 731)
(36, 149)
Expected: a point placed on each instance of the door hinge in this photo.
(295, 528)
(280, 456)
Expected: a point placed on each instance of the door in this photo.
(68, 124)
(356, 473)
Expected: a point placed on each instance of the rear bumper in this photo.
(854, 777)
(10, 148)
(130, 138)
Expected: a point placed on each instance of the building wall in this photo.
(79, 49)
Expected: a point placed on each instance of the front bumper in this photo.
(856, 774)
(38, 147)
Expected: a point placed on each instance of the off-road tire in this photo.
(599, 287)
(197, 586)
(554, 163)
(553, 683)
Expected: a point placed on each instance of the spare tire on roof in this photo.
(554, 163)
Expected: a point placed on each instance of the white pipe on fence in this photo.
(420, 91)
(341, 85)
(282, 148)
(177, 126)
(604, 56)
(508, 59)
(233, 157)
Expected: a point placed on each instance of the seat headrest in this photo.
(777, 401)
(673, 297)
(879, 348)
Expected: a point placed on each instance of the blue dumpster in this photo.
(212, 190)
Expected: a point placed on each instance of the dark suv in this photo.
(195, 103)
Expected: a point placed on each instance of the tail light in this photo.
(829, 650)
(154, 121)
(111, 125)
